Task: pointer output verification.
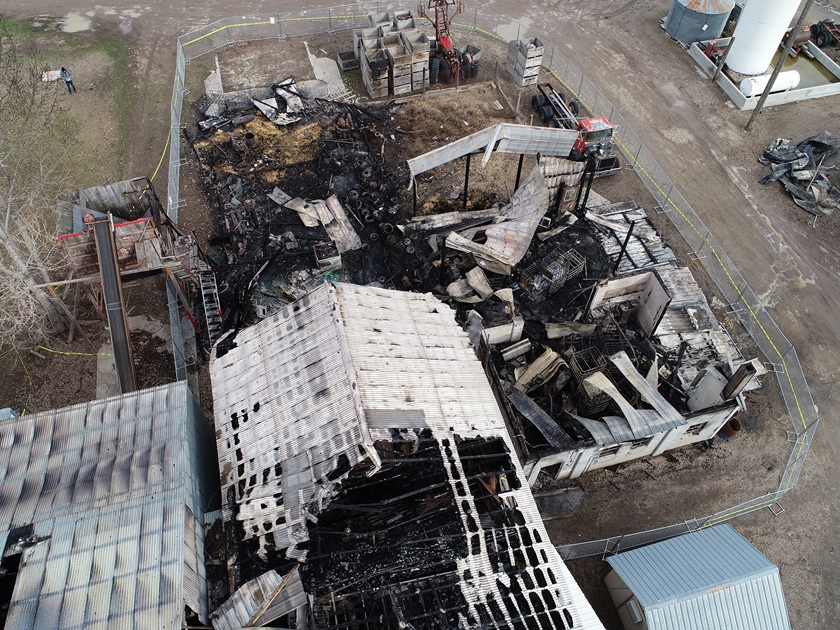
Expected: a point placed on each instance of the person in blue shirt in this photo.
(68, 79)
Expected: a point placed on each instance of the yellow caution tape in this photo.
(78, 354)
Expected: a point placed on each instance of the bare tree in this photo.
(35, 139)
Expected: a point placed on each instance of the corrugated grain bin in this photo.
(694, 20)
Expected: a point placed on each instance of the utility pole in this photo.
(779, 65)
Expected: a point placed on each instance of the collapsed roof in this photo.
(360, 444)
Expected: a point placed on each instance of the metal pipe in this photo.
(723, 61)
(519, 171)
(106, 249)
(590, 168)
(624, 247)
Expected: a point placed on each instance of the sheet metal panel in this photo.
(648, 392)
(511, 139)
(730, 584)
(106, 484)
(600, 431)
(27, 587)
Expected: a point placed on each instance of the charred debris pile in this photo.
(802, 169)
(320, 191)
(273, 185)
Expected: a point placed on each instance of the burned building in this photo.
(640, 367)
(368, 478)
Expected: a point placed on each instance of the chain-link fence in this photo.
(740, 299)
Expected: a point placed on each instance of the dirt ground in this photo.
(694, 133)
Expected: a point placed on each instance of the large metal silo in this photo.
(694, 20)
(760, 30)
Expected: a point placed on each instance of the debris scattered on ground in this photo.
(801, 169)
(579, 362)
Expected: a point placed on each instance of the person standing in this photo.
(68, 79)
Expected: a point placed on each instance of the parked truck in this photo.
(595, 133)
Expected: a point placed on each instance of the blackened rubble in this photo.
(802, 169)
(262, 253)
(325, 198)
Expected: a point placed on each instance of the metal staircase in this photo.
(210, 297)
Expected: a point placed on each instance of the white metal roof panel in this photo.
(712, 578)
(505, 138)
(106, 486)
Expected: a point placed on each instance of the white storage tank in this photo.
(760, 30)
(693, 20)
(754, 86)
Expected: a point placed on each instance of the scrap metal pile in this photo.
(801, 169)
(326, 197)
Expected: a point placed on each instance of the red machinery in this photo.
(448, 60)
(595, 134)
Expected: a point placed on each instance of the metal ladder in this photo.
(210, 297)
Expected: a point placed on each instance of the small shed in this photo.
(711, 578)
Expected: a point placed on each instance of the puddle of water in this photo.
(811, 72)
(74, 23)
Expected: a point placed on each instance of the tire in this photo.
(554, 122)
(445, 72)
(822, 40)
(546, 113)
(574, 107)
(562, 96)
(434, 70)
(473, 70)
(537, 102)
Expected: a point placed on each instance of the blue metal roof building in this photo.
(709, 579)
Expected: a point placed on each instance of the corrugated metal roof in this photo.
(712, 578)
(261, 601)
(505, 138)
(645, 247)
(710, 7)
(110, 489)
(296, 392)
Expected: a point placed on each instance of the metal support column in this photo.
(519, 172)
